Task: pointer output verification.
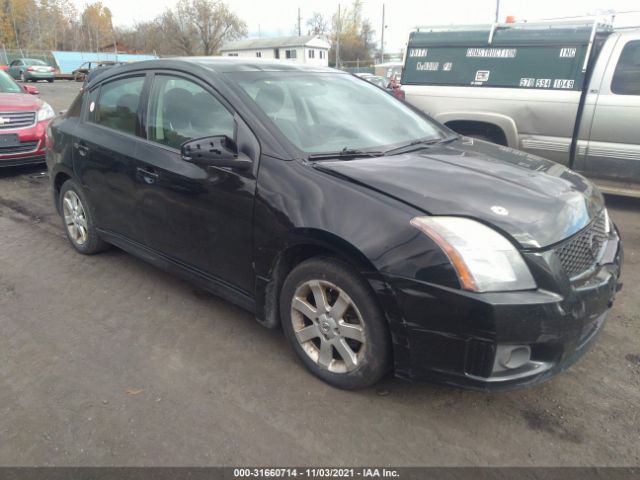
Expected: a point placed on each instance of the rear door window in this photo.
(626, 78)
(117, 105)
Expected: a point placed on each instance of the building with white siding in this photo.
(309, 49)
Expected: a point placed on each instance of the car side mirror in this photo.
(218, 150)
(30, 89)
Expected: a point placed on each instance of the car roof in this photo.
(230, 64)
(242, 64)
(219, 65)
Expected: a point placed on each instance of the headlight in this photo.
(45, 112)
(484, 260)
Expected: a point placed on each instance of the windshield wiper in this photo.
(346, 152)
(418, 144)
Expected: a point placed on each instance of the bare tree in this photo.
(318, 23)
(200, 27)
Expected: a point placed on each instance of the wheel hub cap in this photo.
(328, 326)
(74, 217)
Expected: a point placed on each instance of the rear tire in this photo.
(50, 80)
(78, 220)
(334, 324)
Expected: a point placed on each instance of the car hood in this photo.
(18, 101)
(536, 201)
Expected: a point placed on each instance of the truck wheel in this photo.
(332, 320)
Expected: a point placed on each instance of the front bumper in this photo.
(454, 337)
(34, 138)
(39, 75)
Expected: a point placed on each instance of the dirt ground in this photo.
(106, 360)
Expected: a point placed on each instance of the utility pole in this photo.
(497, 11)
(299, 23)
(338, 39)
(382, 37)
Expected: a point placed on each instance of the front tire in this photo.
(334, 324)
(50, 80)
(78, 220)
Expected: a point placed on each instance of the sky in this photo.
(279, 17)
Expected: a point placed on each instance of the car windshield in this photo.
(329, 112)
(7, 85)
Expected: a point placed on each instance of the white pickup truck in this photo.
(567, 91)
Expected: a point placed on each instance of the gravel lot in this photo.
(105, 360)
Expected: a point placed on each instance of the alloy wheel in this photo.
(75, 217)
(328, 326)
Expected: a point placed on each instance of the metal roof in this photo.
(509, 34)
(273, 42)
(69, 61)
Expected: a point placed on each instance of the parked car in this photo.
(391, 86)
(23, 122)
(80, 73)
(376, 246)
(568, 91)
(31, 70)
(396, 89)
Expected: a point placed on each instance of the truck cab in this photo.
(568, 91)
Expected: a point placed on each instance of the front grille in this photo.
(582, 251)
(16, 119)
(22, 148)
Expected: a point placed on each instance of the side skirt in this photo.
(204, 280)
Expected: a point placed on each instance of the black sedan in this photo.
(375, 246)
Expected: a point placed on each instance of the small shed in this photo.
(309, 49)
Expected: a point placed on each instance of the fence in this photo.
(357, 66)
(9, 55)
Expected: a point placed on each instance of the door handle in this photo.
(147, 175)
(82, 148)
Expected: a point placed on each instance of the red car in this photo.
(23, 123)
(396, 88)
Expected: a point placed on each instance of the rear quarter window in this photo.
(626, 78)
(117, 104)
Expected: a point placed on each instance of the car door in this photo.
(105, 154)
(613, 150)
(14, 68)
(198, 215)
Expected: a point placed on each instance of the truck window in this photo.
(626, 78)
